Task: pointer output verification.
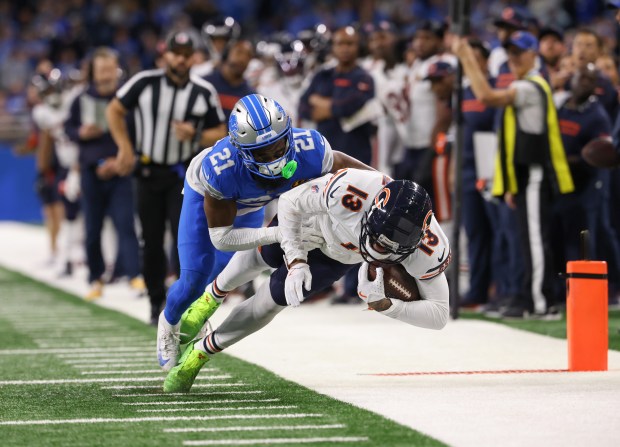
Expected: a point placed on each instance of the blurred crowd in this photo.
(66, 31)
(393, 102)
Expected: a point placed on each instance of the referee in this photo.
(175, 115)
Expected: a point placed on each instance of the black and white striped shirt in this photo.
(157, 102)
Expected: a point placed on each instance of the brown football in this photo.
(600, 153)
(398, 283)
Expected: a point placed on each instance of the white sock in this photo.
(246, 318)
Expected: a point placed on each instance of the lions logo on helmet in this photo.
(395, 224)
(260, 129)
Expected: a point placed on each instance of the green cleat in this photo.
(181, 378)
(195, 317)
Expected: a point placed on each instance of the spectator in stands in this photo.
(528, 137)
(228, 77)
(104, 190)
(582, 119)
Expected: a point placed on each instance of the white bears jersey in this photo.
(422, 101)
(392, 92)
(52, 119)
(336, 203)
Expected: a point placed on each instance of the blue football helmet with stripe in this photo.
(261, 130)
(395, 225)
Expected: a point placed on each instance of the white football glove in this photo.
(298, 278)
(370, 291)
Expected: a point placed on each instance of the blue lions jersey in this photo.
(219, 171)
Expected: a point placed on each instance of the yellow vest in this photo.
(505, 179)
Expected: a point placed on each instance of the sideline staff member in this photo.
(531, 161)
(176, 114)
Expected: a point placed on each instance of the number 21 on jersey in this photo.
(218, 157)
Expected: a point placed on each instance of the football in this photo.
(398, 283)
(600, 153)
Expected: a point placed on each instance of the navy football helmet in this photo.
(261, 130)
(225, 29)
(395, 224)
(50, 87)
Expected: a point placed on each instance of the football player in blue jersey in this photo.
(226, 188)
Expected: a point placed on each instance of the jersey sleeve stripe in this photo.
(332, 182)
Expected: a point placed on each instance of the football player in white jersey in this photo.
(390, 73)
(49, 117)
(362, 216)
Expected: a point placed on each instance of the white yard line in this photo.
(102, 380)
(160, 419)
(198, 402)
(158, 387)
(212, 393)
(253, 407)
(253, 428)
(278, 441)
(109, 363)
(98, 365)
(140, 371)
(74, 351)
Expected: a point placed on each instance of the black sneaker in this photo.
(515, 312)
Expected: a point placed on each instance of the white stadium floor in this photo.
(503, 394)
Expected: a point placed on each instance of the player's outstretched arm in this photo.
(221, 216)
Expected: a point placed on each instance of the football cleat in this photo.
(195, 317)
(168, 348)
(181, 378)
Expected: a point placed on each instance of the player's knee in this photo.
(276, 285)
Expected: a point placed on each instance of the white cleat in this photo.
(168, 343)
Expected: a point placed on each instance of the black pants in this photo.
(534, 223)
(159, 202)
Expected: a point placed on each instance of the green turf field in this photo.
(75, 374)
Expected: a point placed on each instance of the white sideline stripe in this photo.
(256, 407)
(133, 338)
(198, 402)
(110, 362)
(278, 441)
(102, 380)
(160, 418)
(63, 334)
(125, 349)
(103, 355)
(157, 387)
(143, 371)
(140, 371)
(145, 363)
(186, 394)
(149, 345)
(256, 428)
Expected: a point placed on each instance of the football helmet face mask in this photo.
(261, 131)
(395, 225)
